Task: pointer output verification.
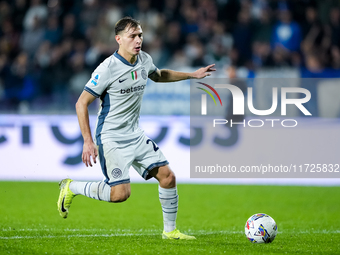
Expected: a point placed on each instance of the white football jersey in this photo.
(120, 86)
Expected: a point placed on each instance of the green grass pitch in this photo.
(307, 219)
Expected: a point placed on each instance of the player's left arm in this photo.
(166, 75)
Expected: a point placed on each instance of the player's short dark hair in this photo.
(126, 22)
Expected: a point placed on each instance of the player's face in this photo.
(131, 40)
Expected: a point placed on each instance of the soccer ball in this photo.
(260, 228)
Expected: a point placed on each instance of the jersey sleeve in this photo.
(152, 68)
(99, 81)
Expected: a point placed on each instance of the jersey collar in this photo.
(124, 60)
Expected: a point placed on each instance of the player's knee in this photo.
(120, 197)
(169, 181)
(172, 179)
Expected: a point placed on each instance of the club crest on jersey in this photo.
(144, 75)
(94, 81)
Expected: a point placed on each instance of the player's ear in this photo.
(118, 39)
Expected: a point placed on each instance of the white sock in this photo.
(97, 190)
(169, 202)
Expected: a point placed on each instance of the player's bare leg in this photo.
(169, 201)
(120, 193)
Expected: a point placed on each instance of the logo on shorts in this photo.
(144, 75)
(116, 173)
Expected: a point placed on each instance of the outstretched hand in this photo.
(203, 72)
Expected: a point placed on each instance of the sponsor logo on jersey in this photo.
(95, 79)
(132, 89)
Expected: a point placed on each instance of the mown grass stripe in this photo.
(154, 233)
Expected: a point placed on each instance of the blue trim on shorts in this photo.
(103, 162)
(145, 174)
(91, 92)
(118, 182)
(102, 116)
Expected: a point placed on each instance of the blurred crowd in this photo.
(48, 48)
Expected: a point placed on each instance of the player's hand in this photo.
(203, 72)
(89, 151)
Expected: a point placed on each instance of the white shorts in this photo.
(117, 157)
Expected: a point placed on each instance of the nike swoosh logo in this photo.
(120, 81)
(175, 238)
(62, 205)
(173, 203)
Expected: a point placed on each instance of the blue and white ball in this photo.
(260, 228)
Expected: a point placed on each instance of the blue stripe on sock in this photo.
(98, 192)
(169, 212)
(168, 198)
(85, 189)
(90, 189)
(170, 208)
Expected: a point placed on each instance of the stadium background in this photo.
(48, 50)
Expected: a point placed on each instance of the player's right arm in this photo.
(94, 88)
(166, 75)
(89, 148)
